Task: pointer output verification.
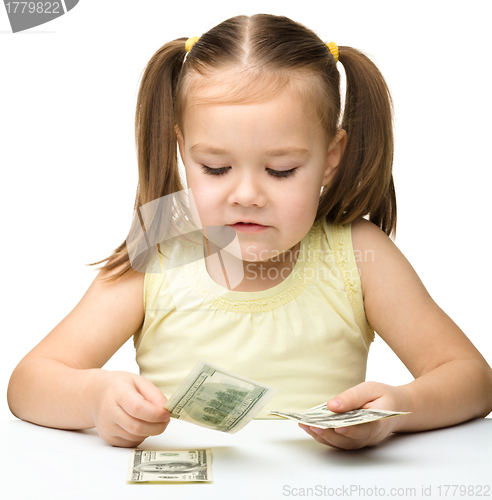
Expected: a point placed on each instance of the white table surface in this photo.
(268, 459)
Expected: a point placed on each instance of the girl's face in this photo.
(273, 159)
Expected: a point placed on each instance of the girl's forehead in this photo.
(272, 124)
(242, 87)
(217, 118)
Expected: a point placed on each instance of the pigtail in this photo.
(364, 181)
(156, 146)
(155, 137)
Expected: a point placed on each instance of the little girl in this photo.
(297, 199)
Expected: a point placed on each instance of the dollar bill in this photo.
(218, 399)
(320, 416)
(165, 465)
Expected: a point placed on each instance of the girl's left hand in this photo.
(365, 395)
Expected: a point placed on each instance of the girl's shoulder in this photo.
(364, 232)
(373, 249)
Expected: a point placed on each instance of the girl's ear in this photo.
(334, 156)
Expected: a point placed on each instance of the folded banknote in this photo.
(320, 416)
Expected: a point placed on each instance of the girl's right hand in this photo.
(127, 408)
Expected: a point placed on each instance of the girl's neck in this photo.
(258, 276)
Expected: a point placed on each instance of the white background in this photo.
(68, 165)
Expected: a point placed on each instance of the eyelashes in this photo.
(280, 174)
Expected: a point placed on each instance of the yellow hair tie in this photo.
(333, 48)
(190, 42)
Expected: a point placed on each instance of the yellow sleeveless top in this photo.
(308, 336)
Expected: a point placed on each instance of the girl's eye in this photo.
(274, 173)
(282, 173)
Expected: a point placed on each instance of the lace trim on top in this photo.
(153, 277)
(351, 284)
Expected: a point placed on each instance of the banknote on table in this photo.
(167, 466)
(320, 416)
(218, 399)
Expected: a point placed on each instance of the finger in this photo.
(116, 436)
(365, 432)
(355, 397)
(135, 404)
(312, 434)
(319, 438)
(123, 443)
(333, 438)
(134, 428)
(149, 391)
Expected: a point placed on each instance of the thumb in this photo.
(354, 398)
(150, 392)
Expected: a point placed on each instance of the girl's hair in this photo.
(252, 58)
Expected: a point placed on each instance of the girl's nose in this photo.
(247, 191)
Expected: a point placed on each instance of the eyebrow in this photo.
(212, 150)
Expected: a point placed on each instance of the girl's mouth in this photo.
(247, 227)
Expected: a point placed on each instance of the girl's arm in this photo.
(453, 382)
(60, 382)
